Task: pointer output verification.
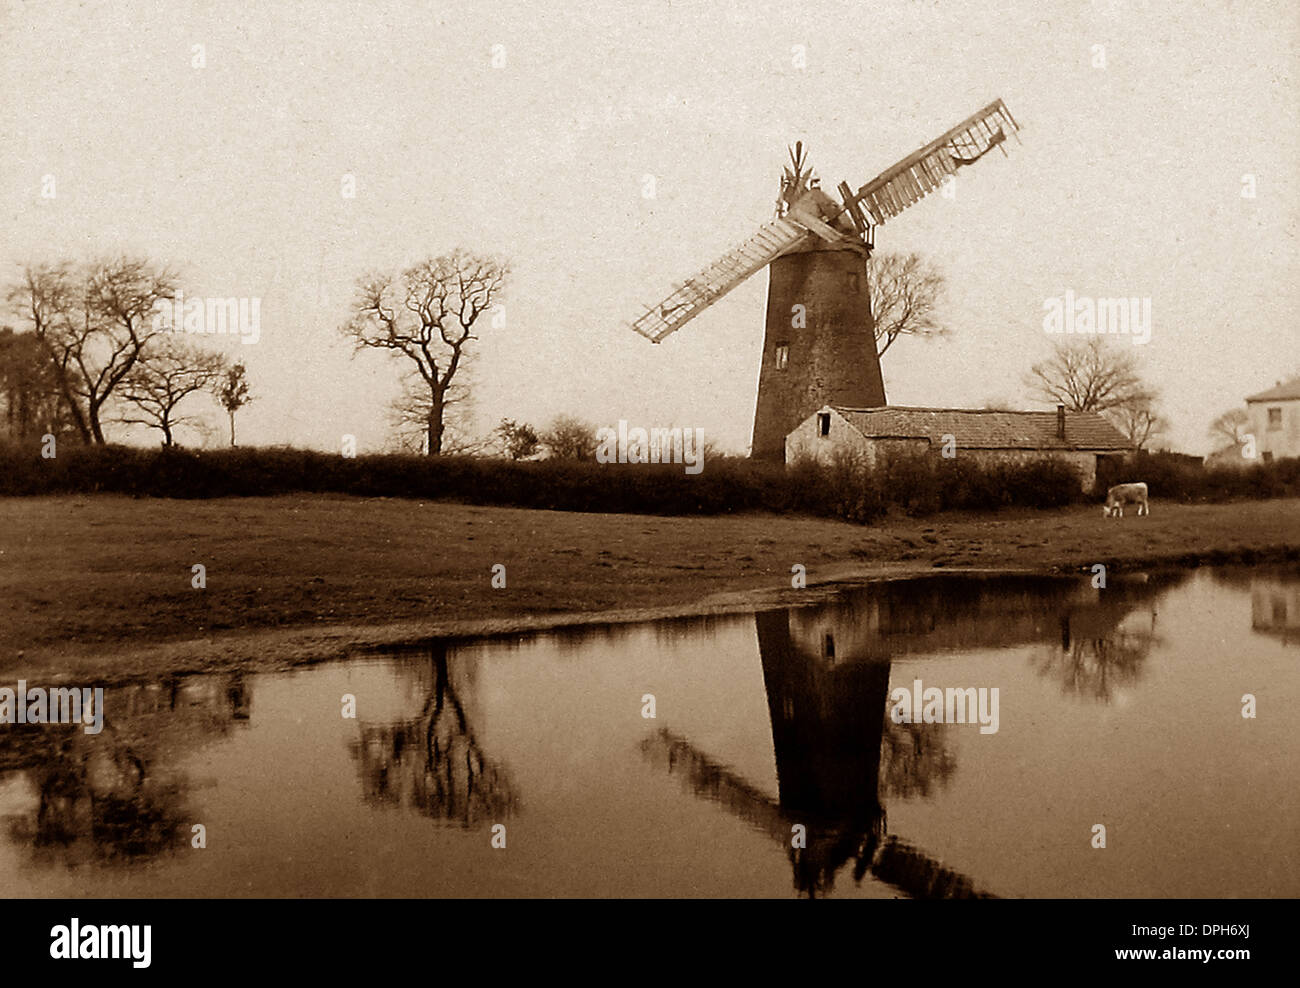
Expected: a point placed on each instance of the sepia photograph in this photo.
(649, 451)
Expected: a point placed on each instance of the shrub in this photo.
(1172, 477)
(846, 488)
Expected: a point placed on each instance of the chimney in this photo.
(1060, 422)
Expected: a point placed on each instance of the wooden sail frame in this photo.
(924, 170)
(696, 294)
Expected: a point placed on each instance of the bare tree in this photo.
(428, 316)
(93, 322)
(46, 297)
(1230, 426)
(232, 391)
(1086, 375)
(409, 416)
(1139, 420)
(570, 438)
(169, 373)
(906, 292)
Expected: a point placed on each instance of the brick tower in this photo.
(823, 353)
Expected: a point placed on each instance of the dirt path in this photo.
(102, 584)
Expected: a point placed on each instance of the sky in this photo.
(528, 130)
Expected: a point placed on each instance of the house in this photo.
(1275, 421)
(1078, 438)
(1275, 608)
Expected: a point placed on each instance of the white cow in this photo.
(1122, 494)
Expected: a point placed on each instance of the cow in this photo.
(1122, 494)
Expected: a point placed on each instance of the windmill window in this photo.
(782, 356)
(823, 424)
(1274, 419)
(855, 283)
(830, 646)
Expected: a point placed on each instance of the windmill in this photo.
(817, 249)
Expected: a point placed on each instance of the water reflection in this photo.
(1275, 608)
(780, 719)
(433, 763)
(1274, 599)
(112, 798)
(827, 689)
(1106, 635)
(826, 671)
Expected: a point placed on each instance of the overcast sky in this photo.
(1127, 181)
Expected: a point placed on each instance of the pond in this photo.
(1081, 742)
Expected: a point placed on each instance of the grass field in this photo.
(103, 582)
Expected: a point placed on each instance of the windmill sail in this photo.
(804, 209)
(891, 860)
(923, 171)
(698, 293)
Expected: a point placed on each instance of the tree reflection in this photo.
(915, 760)
(434, 763)
(111, 798)
(103, 803)
(1106, 638)
(1094, 667)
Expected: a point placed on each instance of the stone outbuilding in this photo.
(1077, 438)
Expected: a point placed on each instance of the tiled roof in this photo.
(1283, 392)
(976, 428)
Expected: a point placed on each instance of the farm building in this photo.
(1275, 421)
(1079, 438)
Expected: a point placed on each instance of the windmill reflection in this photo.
(433, 763)
(839, 756)
(112, 798)
(827, 686)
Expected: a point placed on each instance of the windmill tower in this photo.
(819, 345)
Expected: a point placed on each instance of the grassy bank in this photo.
(106, 578)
